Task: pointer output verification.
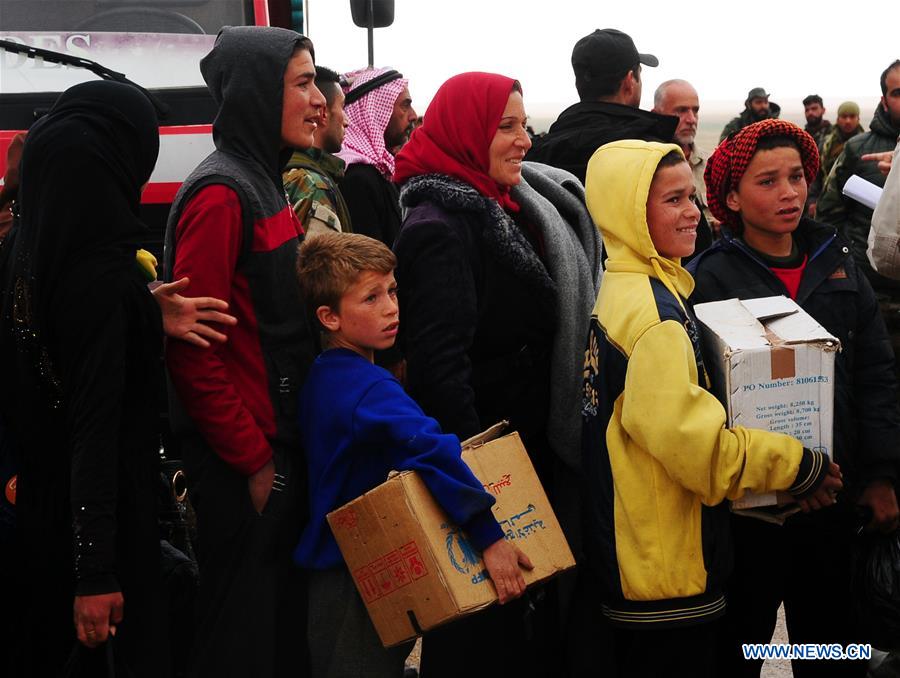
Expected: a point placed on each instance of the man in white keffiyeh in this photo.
(380, 113)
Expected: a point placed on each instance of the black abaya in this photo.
(80, 348)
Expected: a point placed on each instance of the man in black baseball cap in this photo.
(603, 59)
(607, 69)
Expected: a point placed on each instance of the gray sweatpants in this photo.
(343, 642)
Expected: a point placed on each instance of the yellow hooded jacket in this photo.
(658, 458)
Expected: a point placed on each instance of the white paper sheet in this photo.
(862, 191)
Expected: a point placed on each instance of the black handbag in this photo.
(85, 662)
(876, 589)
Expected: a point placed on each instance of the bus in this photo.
(157, 44)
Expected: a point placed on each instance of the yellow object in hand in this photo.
(147, 264)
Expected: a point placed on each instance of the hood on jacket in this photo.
(584, 114)
(245, 75)
(881, 124)
(587, 125)
(618, 183)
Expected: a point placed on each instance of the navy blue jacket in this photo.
(840, 298)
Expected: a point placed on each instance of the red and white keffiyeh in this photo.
(369, 118)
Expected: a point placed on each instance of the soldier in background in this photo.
(756, 107)
(312, 175)
(830, 148)
(853, 219)
(816, 125)
(818, 128)
(847, 126)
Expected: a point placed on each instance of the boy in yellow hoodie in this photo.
(657, 456)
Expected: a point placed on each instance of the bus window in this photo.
(125, 16)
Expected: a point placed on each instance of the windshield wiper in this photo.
(162, 110)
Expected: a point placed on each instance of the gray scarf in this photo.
(553, 200)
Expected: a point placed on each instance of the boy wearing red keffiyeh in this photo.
(757, 185)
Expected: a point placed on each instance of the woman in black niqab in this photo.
(80, 345)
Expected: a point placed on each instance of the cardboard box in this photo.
(772, 366)
(415, 570)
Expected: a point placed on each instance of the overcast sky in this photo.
(723, 48)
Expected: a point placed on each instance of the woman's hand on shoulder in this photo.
(188, 318)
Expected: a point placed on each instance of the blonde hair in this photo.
(329, 264)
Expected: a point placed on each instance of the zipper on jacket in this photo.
(822, 248)
(746, 250)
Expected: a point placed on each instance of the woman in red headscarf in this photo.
(498, 266)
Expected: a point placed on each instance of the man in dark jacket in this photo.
(379, 108)
(756, 107)
(607, 69)
(818, 128)
(852, 218)
(830, 148)
(233, 232)
(847, 126)
(816, 124)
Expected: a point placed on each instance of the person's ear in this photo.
(323, 117)
(884, 105)
(328, 318)
(733, 201)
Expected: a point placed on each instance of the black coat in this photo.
(373, 201)
(80, 359)
(478, 312)
(89, 474)
(835, 293)
(584, 127)
(852, 218)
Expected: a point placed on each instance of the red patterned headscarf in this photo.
(729, 161)
(456, 137)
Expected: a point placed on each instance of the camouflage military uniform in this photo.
(854, 220)
(833, 145)
(820, 132)
(746, 117)
(310, 181)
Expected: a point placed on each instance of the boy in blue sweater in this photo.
(358, 424)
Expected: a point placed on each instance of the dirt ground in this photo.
(771, 669)
(780, 668)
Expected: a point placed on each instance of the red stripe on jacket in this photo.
(225, 388)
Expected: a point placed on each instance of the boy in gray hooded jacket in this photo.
(232, 231)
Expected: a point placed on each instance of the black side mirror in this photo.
(382, 13)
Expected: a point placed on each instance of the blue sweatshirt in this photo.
(358, 424)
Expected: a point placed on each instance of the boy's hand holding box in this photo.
(415, 570)
(772, 366)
